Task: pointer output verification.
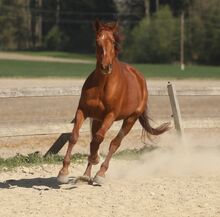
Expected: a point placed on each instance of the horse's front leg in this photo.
(96, 125)
(98, 137)
(63, 174)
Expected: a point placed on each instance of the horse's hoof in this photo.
(98, 180)
(83, 178)
(62, 179)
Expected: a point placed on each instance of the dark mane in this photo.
(117, 34)
(118, 39)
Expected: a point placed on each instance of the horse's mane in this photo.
(116, 34)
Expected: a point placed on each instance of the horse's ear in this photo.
(96, 25)
(115, 26)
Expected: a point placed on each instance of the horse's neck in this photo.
(103, 80)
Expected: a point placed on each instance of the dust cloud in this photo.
(195, 154)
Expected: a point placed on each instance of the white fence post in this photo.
(175, 108)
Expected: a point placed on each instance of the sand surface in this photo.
(29, 195)
(181, 178)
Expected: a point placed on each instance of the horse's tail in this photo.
(144, 121)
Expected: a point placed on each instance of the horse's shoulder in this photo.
(131, 70)
(89, 82)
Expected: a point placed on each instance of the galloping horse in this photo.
(113, 91)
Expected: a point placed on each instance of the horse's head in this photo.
(106, 49)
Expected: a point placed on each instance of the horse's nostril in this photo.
(102, 66)
(106, 69)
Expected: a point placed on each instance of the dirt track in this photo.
(181, 178)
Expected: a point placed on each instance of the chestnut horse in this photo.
(113, 91)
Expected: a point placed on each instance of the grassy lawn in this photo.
(60, 54)
(77, 158)
(12, 68)
(37, 159)
(174, 71)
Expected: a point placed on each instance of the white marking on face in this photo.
(103, 36)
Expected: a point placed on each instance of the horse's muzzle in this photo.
(106, 69)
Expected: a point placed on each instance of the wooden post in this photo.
(157, 4)
(58, 144)
(175, 108)
(62, 140)
(182, 65)
(58, 13)
(39, 24)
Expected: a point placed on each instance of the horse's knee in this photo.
(94, 159)
(73, 138)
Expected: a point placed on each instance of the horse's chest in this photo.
(96, 103)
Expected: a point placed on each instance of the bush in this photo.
(54, 39)
(204, 19)
(155, 39)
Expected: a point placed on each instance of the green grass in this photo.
(174, 71)
(60, 54)
(37, 159)
(134, 154)
(12, 68)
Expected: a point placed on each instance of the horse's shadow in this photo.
(35, 183)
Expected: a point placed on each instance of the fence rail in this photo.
(65, 128)
(76, 90)
(49, 129)
(46, 129)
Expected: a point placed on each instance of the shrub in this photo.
(204, 19)
(155, 39)
(54, 38)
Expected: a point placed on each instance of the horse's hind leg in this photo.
(114, 145)
(63, 174)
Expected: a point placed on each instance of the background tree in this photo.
(151, 27)
(75, 22)
(204, 29)
(14, 31)
(154, 40)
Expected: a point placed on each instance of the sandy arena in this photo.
(181, 178)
